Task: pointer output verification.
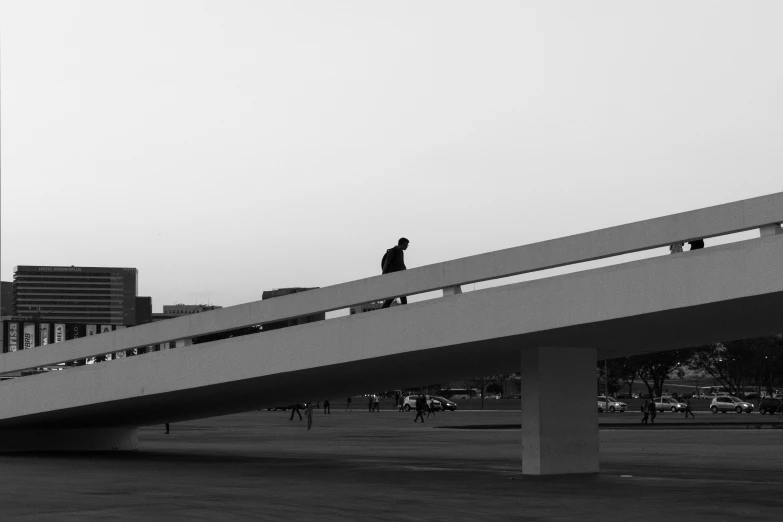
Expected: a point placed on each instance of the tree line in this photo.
(735, 365)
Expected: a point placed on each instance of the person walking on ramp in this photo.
(394, 261)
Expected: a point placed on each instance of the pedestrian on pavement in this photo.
(369, 404)
(402, 405)
(394, 261)
(421, 405)
(376, 403)
(653, 411)
(348, 404)
(397, 399)
(430, 409)
(326, 407)
(688, 408)
(309, 414)
(295, 409)
(645, 412)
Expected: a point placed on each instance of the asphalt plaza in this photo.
(381, 466)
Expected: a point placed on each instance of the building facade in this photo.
(52, 304)
(76, 294)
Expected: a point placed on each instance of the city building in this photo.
(269, 294)
(6, 298)
(178, 310)
(51, 304)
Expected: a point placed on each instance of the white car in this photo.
(612, 406)
(409, 403)
(667, 403)
(726, 403)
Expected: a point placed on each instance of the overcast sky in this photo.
(228, 147)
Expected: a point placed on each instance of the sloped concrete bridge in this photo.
(554, 329)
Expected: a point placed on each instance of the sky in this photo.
(229, 147)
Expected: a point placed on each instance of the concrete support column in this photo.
(97, 439)
(559, 413)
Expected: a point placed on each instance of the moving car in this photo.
(726, 403)
(409, 403)
(667, 403)
(769, 405)
(445, 404)
(613, 406)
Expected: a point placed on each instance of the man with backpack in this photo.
(394, 261)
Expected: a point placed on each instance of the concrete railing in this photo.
(764, 213)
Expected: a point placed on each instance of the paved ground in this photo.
(382, 466)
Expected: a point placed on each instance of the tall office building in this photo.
(52, 304)
(76, 294)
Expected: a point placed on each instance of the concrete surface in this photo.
(382, 466)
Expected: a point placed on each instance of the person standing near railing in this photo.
(394, 261)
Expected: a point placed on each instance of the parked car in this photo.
(769, 405)
(613, 404)
(515, 396)
(409, 403)
(445, 404)
(724, 403)
(667, 403)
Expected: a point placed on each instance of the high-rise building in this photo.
(76, 294)
(52, 304)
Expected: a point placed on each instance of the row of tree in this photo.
(735, 365)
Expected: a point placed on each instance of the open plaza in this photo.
(462, 465)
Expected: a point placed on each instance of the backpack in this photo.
(383, 259)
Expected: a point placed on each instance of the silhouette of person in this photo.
(295, 409)
(167, 429)
(326, 407)
(653, 411)
(645, 412)
(376, 403)
(395, 262)
(348, 404)
(688, 408)
(421, 405)
(309, 414)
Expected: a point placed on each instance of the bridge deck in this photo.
(720, 293)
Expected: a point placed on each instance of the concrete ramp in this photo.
(552, 329)
(651, 305)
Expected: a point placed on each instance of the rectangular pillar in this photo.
(559, 412)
